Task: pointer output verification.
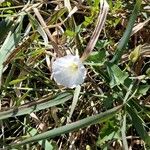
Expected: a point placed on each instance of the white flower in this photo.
(68, 71)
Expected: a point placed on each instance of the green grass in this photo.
(109, 110)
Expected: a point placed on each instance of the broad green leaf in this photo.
(102, 44)
(116, 74)
(46, 145)
(108, 132)
(35, 106)
(97, 57)
(125, 38)
(72, 126)
(138, 124)
(143, 89)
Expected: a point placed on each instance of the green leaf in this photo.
(36, 26)
(116, 74)
(97, 57)
(88, 21)
(45, 143)
(148, 72)
(17, 80)
(125, 38)
(74, 102)
(37, 52)
(138, 124)
(108, 132)
(134, 55)
(70, 33)
(35, 106)
(57, 15)
(102, 44)
(143, 89)
(72, 126)
(96, 3)
(5, 27)
(9, 44)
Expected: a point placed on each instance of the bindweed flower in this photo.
(68, 71)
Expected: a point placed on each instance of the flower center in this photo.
(73, 67)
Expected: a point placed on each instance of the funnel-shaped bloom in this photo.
(68, 71)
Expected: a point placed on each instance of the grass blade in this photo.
(9, 44)
(74, 102)
(35, 106)
(5, 27)
(72, 126)
(138, 124)
(124, 40)
(123, 133)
